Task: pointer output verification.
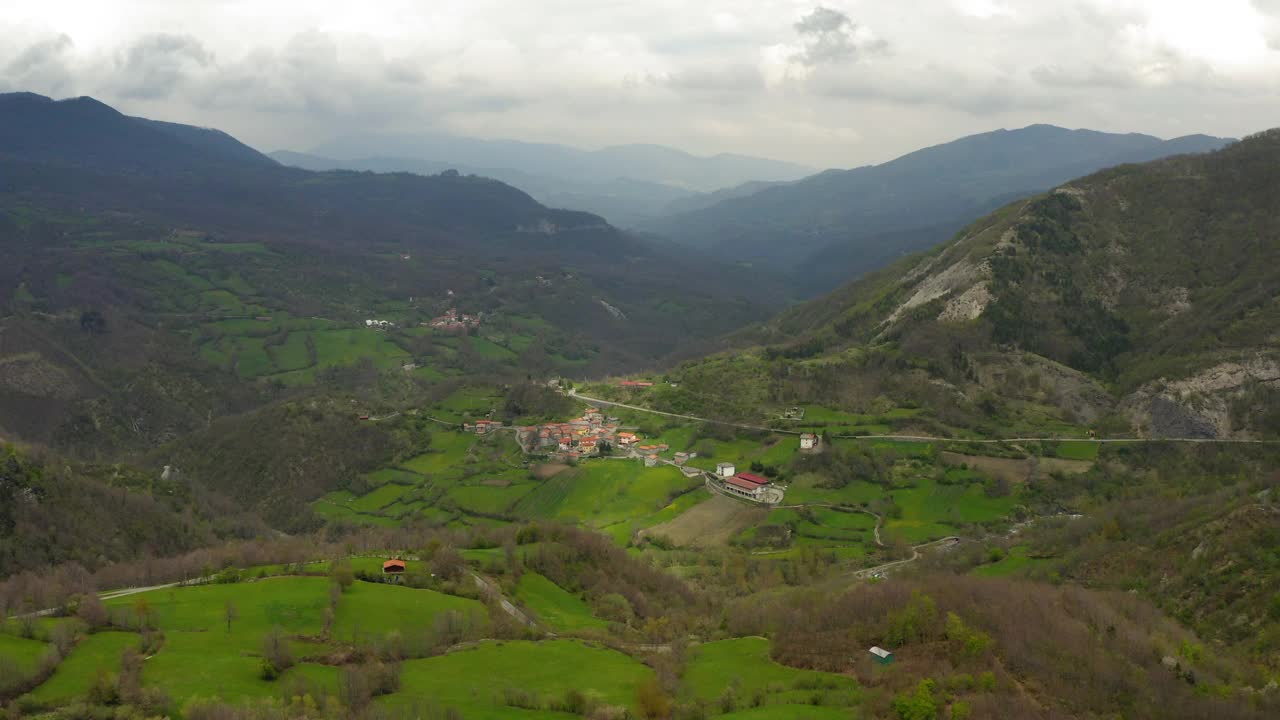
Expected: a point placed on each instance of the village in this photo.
(595, 435)
(450, 321)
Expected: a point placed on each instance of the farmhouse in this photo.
(681, 458)
(808, 441)
(393, 570)
(482, 427)
(627, 438)
(380, 324)
(726, 469)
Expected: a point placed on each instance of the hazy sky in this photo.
(833, 83)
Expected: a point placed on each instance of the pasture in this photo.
(475, 680)
(556, 607)
(370, 610)
(96, 653)
(20, 656)
(743, 665)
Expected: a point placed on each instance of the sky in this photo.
(837, 83)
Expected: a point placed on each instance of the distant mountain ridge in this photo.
(839, 224)
(647, 163)
(627, 184)
(624, 202)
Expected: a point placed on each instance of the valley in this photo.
(279, 443)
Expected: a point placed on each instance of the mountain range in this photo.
(839, 224)
(628, 184)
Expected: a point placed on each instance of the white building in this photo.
(808, 441)
(726, 469)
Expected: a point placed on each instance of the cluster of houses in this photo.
(379, 324)
(454, 321)
(582, 436)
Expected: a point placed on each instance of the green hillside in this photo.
(1092, 306)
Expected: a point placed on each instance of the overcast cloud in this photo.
(833, 83)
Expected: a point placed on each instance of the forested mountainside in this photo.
(622, 201)
(1139, 299)
(837, 225)
(159, 276)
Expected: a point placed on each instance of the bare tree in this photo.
(232, 614)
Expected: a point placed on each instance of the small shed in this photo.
(393, 567)
(882, 656)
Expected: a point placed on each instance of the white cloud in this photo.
(828, 82)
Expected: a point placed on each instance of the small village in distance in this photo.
(595, 435)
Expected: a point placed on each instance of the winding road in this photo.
(573, 392)
(948, 542)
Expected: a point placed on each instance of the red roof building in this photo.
(740, 483)
(393, 566)
(752, 478)
(744, 488)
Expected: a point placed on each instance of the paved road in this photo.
(950, 541)
(573, 392)
(113, 594)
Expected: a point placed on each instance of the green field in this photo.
(20, 654)
(200, 657)
(858, 492)
(99, 652)
(1016, 562)
(373, 609)
(603, 492)
(377, 499)
(1077, 450)
(951, 503)
(448, 450)
(294, 604)
(744, 664)
(473, 681)
(558, 608)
